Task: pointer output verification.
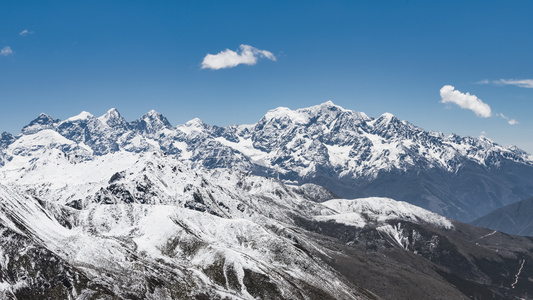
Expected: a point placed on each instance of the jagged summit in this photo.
(153, 115)
(112, 118)
(43, 121)
(151, 123)
(109, 115)
(112, 111)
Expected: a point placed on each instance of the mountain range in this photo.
(101, 208)
(347, 152)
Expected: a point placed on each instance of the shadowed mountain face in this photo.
(347, 152)
(516, 218)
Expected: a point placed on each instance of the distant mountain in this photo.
(348, 152)
(516, 218)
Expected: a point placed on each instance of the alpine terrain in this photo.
(315, 203)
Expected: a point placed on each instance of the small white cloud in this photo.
(512, 122)
(449, 94)
(228, 58)
(25, 32)
(525, 83)
(6, 51)
(509, 120)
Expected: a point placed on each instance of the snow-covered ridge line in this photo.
(374, 210)
(327, 115)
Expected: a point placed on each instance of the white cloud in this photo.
(228, 58)
(525, 83)
(6, 51)
(512, 122)
(509, 120)
(25, 32)
(449, 94)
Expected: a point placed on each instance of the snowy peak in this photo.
(112, 112)
(322, 109)
(195, 123)
(43, 121)
(390, 127)
(154, 117)
(328, 115)
(387, 117)
(112, 118)
(330, 103)
(328, 111)
(193, 129)
(322, 113)
(83, 116)
(151, 123)
(385, 120)
(284, 114)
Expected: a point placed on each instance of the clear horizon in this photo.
(452, 67)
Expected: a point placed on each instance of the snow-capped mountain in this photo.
(95, 207)
(135, 224)
(347, 152)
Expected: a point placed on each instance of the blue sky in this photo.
(62, 57)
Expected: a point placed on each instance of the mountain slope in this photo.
(152, 221)
(129, 225)
(163, 252)
(516, 218)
